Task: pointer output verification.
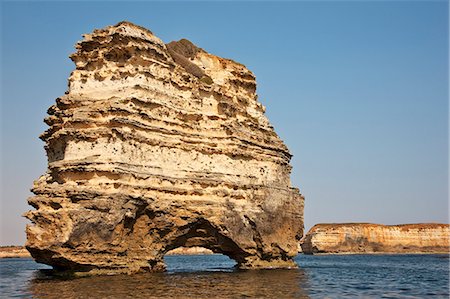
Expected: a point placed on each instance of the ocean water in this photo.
(214, 276)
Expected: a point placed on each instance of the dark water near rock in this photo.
(213, 276)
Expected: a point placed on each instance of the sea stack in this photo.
(377, 238)
(157, 146)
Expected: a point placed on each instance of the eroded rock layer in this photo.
(155, 147)
(373, 238)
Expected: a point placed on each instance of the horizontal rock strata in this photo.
(376, 238)
(155, 147)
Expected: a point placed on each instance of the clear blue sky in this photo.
(357, 90)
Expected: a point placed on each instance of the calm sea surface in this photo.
(213, 276)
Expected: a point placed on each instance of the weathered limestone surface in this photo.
(155, 147)
(373, 238)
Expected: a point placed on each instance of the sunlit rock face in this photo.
(372, 238)
(155, 147)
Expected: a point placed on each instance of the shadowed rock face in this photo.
(156, 147)
(377, 238)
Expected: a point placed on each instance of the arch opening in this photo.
(197, 259)
(201, 246)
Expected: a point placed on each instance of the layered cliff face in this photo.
(371, 238)
(155, 147)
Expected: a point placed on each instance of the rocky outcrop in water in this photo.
(155, 147)
(376, 238)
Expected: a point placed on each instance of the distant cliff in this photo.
(20, 251)
(376, 238)
(189, 251)
(13, 252)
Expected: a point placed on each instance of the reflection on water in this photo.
(347, 276)
(231, 284)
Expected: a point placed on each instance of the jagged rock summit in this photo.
(155, 147)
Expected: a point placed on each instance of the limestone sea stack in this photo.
(377, 238)
(157, 146)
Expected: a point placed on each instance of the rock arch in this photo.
(203, 234)
(154, 147)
